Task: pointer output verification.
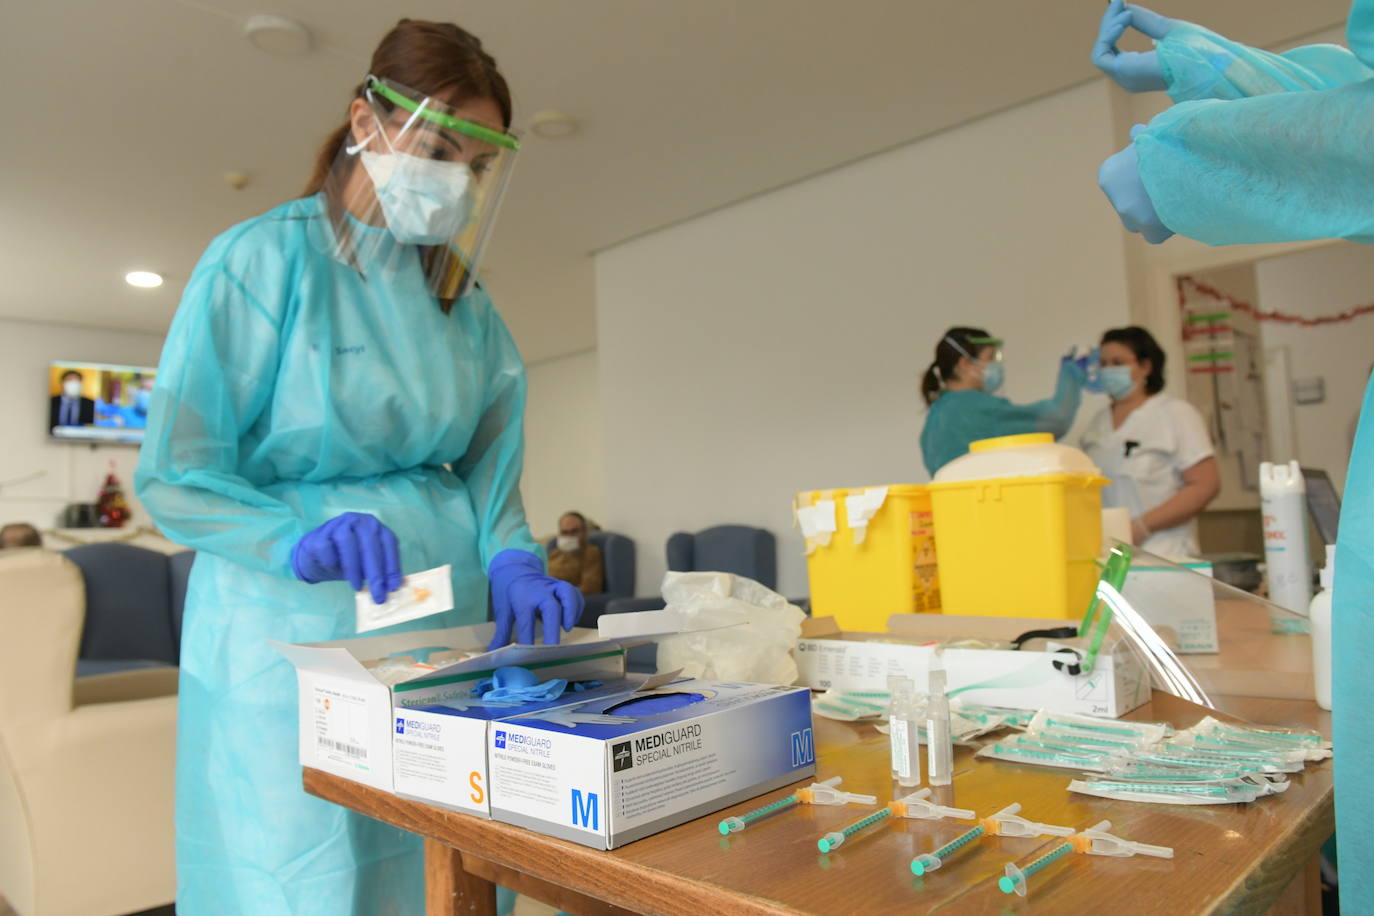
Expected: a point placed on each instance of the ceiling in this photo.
(127, 115)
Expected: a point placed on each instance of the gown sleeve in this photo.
(1289, 164)
(1199, 64)
(216, 377)
(492, 466)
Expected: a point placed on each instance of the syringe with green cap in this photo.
(916, 805)
(818, 793)
(1004, 823)
(1095, 841)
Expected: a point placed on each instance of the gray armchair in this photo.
(134, 602)
(738, 549)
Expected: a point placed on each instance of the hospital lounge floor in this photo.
(524, 906)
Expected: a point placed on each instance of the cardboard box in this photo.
(605, 785)
(1179, 599)
(828, 657)
(439, 752)
(346, 722)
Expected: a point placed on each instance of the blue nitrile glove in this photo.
(1119, 179)
(519, 685)
(520, 590)
(354, 547)
(1076, 365)
(1132, 71)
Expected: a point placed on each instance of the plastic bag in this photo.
(760, 629)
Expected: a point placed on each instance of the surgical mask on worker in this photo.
(425, 201)
(993, 376)
(1116, 381)
(71, 388)
(569, 543)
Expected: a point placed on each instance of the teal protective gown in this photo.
(1281, 148)
(960, 417)
(293, 388)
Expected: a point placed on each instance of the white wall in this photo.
(1323, 281)
(71, 473)
(777, 345)
(564, 457)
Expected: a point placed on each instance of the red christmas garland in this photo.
(1281, 317)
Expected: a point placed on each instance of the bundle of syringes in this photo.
(967, 721)
(1211, 763)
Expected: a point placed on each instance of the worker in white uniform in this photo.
(1154, 448)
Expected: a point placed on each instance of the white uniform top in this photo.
(1145, 459)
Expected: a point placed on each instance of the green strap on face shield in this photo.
(476, 131)
(1098, 618)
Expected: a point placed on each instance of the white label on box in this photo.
(827, 664)
(341, 726)
(537, 773)
(441, 758)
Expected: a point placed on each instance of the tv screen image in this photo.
(97, 402)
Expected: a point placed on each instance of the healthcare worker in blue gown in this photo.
(1264, 147)
(961, 386)
(338, 405)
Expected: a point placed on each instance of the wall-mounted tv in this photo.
(96, 402)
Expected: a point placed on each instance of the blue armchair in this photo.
(134, 602)
(738, 549)
(618, 553)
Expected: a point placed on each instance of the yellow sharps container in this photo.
(1019, 523)
(870, 553)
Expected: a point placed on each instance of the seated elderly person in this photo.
(19, 534)
(576, 560)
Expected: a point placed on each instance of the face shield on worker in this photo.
(429, 174)
(989, 365)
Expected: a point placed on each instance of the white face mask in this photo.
(425, 201)
(569, 543)
(71, 388)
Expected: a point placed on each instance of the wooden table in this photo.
(1227, 859)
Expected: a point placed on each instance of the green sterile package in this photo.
(1022, 750)
(1167, 793)
(1213, 733)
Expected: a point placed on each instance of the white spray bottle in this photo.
(1319, 618)
(1283, 500)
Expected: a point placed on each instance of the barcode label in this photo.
(351, 750)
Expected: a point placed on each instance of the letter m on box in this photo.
(803, 748)
(584, 811)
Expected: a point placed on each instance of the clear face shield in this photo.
(1199, 638)
(418, 177)
(992, 369)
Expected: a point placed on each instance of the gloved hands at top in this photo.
(354, 547)
(1134, 72)
(520, 590)
(1119, 179)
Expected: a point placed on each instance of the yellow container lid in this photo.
(987, 445)
(1026, 455)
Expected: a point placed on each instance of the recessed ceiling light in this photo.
(276, 34)
(553, 125)
(144, 278)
